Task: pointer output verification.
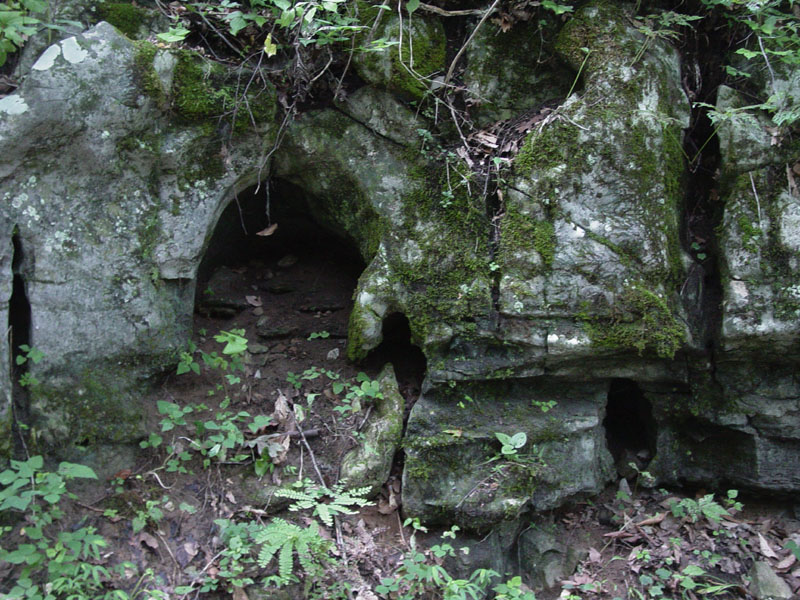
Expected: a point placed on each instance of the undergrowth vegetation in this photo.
(53, 559)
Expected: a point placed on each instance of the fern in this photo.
(325, 502)
(285, 538)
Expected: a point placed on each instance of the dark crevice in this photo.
(702, 73)
(407, 359)
(238, 235)
(19, 328)
(629, 425)
(494, 212)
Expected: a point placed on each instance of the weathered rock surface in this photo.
(562, 307)
(371, 461)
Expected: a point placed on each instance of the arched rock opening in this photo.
(408, 359)
(629, 425)
(272, 269)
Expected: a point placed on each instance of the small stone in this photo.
(258, 311)
(333, 354)
(766, 585)
(287, 261)
(257, 348)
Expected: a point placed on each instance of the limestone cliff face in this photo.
(560, 298)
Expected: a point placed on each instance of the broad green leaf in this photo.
(75, 471)
(518, 439)
(503, 438)
(270, 48)
(412, 5)
(175, 34)
(236, 22)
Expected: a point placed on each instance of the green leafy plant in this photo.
(52, 561)
(17, 23)
(284, 539)
(702, 507)
(511, 443)
(325, 503)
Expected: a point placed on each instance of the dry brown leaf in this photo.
(281, 412)
(191, 549)
(655, 520)
(595, 556)
(786, 563)
(230, 497)
(253, 300)
(145, 538)
(268, 231)
(765, 548)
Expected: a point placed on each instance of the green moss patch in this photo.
(641, 321)
(126, 17)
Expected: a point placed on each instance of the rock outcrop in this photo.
(557, 297)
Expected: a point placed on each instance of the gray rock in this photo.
(98, 191)
(545, 557)
(370, 462)
(766, 585)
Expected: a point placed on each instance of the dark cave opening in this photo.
(629, 424)
(269, 222)
(19, 328)
(407, 358)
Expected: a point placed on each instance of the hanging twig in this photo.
(755, 193)
(449, 13)
(469, 39)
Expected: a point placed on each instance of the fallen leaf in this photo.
(191, 548)
(786, 563)
(287, 261)
(281, 411)
(268, 231)
(594, 556)
(123, 474)
(148, 540)
(765, 548)
(655, 520)
(230, 497)
(253, 300)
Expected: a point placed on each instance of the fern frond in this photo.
(285, 562)
(324, 514)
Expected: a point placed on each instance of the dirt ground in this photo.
(290, 296)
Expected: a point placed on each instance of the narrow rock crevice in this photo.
(701, 292)
(19, 334)
(494, 212)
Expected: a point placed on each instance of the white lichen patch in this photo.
(32, 213)
(47, 59)
(739, 292)
(19, 200)
(57, 242)
(72, 51)
(13, 104)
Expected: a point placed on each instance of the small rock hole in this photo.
(408, 360)
(629, 426)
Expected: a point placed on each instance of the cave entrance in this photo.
(629, 425)
(407, 358)
(273, 270)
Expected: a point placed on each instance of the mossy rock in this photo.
(404, 69)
